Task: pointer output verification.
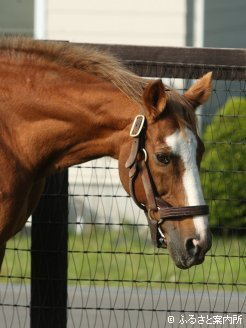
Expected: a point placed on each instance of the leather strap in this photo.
(133, 154)
(133, 173)
(182, 212)
(148, 186)
(154, 233)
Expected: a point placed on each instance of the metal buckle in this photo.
(137, 126)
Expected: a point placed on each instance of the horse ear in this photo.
(154, 99)
(199, 92)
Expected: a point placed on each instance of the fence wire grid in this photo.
(115, 277)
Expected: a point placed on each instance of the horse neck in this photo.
(99, 126)
(75, 122)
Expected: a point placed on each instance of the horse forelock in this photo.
(82, 57)
(182, 111)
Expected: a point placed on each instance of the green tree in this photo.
(224, 165)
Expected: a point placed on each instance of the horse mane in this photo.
(99, 63)
(83, 57)
(182, 110)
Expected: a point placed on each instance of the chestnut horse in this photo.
(61, 105)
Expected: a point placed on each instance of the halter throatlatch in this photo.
(137, 165)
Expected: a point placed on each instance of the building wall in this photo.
(16, 17)
(123, 22)
(225, 23)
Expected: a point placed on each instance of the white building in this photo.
(113, 21)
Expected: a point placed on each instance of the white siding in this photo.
(225, 23)
(160, 22)
(16, 17)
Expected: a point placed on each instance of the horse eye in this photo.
(163, 158)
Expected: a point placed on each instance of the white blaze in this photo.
(185, 145)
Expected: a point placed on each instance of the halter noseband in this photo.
(137, 164)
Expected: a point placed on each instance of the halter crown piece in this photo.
(137, 165)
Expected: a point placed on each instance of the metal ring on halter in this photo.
(145, 154)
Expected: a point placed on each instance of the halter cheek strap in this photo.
(137, 165)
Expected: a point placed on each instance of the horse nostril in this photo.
(192, 246)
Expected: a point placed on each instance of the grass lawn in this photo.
(126, 257)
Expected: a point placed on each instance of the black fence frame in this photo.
(50, 220)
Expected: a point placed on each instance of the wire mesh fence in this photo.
(115, 277)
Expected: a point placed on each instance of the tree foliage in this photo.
(224, 165)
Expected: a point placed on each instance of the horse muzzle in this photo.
(189, 251)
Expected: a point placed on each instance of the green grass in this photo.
(126, 257)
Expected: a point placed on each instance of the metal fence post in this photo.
(49, 256)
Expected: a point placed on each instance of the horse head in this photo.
(163, 169)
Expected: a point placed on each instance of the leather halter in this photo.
(137, 165)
